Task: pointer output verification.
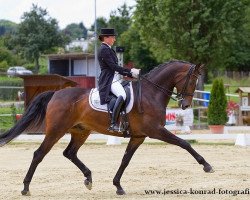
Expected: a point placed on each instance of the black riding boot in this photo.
(115, 114)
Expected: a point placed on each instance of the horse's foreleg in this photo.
(166, 136)
(38, 156)
(77, 140)
(133, 144)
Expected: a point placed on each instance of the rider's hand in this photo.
(135, 72)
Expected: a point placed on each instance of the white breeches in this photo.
(117, 89)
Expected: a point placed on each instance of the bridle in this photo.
(179, 96)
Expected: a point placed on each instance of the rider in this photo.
(108, 79)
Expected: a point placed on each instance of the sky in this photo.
(65, 11)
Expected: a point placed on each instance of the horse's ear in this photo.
(200, 67)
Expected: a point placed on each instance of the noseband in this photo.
(179, 96)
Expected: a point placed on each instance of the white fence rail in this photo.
(6, 115)
(207, 92)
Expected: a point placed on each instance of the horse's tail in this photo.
(32, 118)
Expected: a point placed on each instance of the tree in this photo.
(199, 31)
(75, 31)
(84, 30)
(136, 51)
(7, 27)
(38, 33)
(240, 58)
(127, 35)
(120, 20)
(101, 22)
(7, 59)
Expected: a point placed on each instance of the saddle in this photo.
(94, 98)
(94, 102)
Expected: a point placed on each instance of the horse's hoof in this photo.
(25, 193)
(88, 184)
(120, 192)
(2, 144)
(208, 169)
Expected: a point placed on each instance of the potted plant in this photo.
(217, 108)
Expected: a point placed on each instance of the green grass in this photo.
(231, 85)
(6, 122)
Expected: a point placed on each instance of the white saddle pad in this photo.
(94, 100)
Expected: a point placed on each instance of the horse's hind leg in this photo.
(78, 137)
(166, 136)
(38, 156)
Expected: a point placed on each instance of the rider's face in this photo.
(110, 40)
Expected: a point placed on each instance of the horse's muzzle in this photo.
(184, 107)
(184, 104)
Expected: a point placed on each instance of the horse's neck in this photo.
(164, 78)
(161, 86)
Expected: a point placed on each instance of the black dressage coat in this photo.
(108, 62)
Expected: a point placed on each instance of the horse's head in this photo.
(186, 83)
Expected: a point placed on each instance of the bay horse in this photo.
(68, 111)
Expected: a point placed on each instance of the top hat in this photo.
(107, 32)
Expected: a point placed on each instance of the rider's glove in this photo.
(135, 72)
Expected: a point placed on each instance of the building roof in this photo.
(70, 56)
(47, 80)
(243, 89)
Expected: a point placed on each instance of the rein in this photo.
(179, 96)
